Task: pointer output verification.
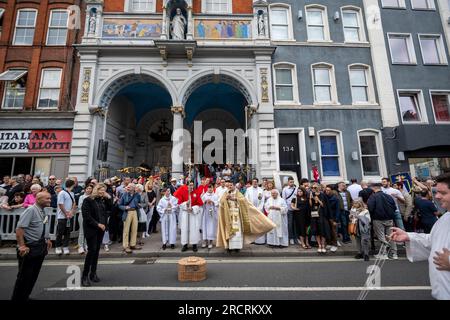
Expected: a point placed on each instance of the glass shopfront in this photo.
(425, 168)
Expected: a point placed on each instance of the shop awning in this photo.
(12, 75)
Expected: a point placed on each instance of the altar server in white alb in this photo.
(434, 247)
(209, 221)
(220, 190)
(255, 195)
(167, 209)
(190, 205)
(277, 212)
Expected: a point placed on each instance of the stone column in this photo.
(164, 32)
(190, 26)
(177, 141)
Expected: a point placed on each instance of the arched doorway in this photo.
(138, 125)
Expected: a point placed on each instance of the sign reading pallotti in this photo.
(35, 141)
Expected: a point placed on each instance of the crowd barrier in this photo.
(9, 220)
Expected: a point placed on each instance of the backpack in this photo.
(389, 206)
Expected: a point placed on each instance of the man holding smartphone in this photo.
(33, 243)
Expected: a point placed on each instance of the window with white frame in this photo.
(57, 27)
(143, 5)
(393, 3)
(279, 23)
(411, 105)
(25, 25)
(359, 82)
(316, 20)
(423, 4)
(217, 6)
(15, 88)
(351, 21)
(441, 106)
(285, 83)
(324, 84)
(330, 154)
(370, 154)
(402, 49)
(49, 89)
(432, 48)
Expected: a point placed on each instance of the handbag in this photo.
(142, 216)
(352, 228)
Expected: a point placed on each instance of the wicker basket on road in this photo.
(191, 269)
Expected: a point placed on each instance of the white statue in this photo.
(178, 26)
(261, 25)
(92, 22)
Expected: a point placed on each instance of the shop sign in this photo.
(35, 141)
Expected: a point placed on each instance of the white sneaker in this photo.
(333, 249)
(339, 244)
(324, 250)
(58, 251)
(291, 241)
(210, 246)
(80, 250)
(106, 248)
(319, 250)
(393, 257)
(203, 245)
(66, 251)
(328, 247)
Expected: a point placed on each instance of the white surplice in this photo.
(252, 194)
(209, 220)
(278, 236)
(220, 191)
(423, 247)
(190, 224)
(168, 219)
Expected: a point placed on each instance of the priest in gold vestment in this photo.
(239, 221)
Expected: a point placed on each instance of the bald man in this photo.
(33, 243)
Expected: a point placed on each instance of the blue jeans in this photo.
(343, 219)
(398, 220)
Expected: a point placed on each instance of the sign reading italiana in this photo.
(35, 141)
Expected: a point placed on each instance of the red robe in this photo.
(182, 195)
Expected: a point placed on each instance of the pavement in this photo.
(153, 248)
(230, 279)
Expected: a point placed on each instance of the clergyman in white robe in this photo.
(424, 246)
(220, 191)
(256, 197)
(167, 208)
(278, 236)
(209, 221)
(190, 224)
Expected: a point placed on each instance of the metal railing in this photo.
(9, 220)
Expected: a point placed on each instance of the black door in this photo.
(289, 153)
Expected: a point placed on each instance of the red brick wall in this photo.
(242, 6)
(114, 5)
(159, 6)
(35, 58)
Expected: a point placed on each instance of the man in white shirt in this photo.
(398, 197)
(226, 173)
(221, 189)
(354, 189)
(254, 194)
(289, 192)
(434, 247)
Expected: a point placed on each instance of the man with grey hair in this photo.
(129, 204)
(15, 187)
(33, 243)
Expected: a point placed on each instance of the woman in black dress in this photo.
(302, 216)
(95, 209)
(320, 226)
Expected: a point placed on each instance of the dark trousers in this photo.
(344, 217)
(291, 228)
(300, 224)
(94, 242)
(153, 222)
(62, 234)
(115, 225)
(333, 229)
(29, 268)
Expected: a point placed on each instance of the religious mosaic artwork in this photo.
(223, 29)
(129, 28)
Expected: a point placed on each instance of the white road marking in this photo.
(71, 262)
(256, 289)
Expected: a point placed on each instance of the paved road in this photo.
(230, 279)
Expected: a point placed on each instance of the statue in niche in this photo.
(261, 24)
(178, 26)
(92, 22)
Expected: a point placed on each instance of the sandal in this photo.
(304, 246)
